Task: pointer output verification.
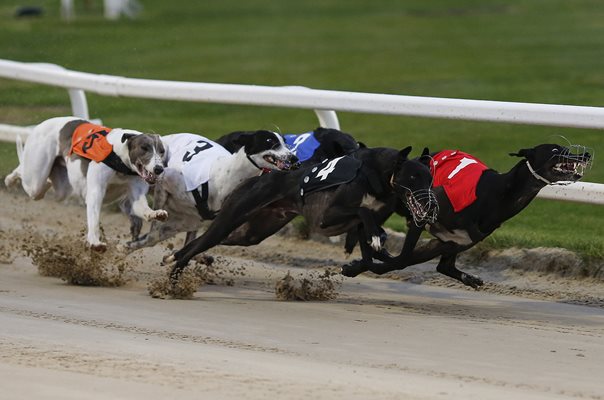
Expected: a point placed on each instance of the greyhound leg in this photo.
(380, 216)
(136, 223)
(260, 225)
(158, 232)
(234, 214)
(215, 233)
(14, 178)
(390, 263)
(338, 214)
(367, 249)
(191, 235)
(97, 180)
(35, 168)
(140, 206)
(432, 249)
(352, 239)
(60, 180)
(446, 266)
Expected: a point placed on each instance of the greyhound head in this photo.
(147, 155)
(553, 163)
(267, 150)
(334, 143)
(412, 182)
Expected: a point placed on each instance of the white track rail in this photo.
(323, 102)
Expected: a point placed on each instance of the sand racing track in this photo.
(420, 336)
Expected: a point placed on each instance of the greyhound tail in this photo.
(14, 177)
(20, 146)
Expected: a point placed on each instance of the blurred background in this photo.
(541, 51)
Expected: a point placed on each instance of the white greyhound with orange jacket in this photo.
(75, 156)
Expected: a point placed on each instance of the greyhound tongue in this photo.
(148, 177)
(282, 164)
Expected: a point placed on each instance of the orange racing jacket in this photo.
(89, 141)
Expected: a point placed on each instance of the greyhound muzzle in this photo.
(422, 204)
(573, 162)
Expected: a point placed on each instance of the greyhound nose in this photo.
(158, 169)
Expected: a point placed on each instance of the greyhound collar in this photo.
(536, 175)
(253, 162)
(264, 170)
(114, 162)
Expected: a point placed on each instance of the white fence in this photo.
(323, 102)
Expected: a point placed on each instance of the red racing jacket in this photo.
(458, 173)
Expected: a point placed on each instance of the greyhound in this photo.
(310, 148)
(470, 213)
(74, 155)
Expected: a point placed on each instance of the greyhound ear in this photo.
(320, 131)
(243, 139)
(404, 153)
(526, 153)
(164, 146)
(402, 157)
(127, 136)
(425, 157)
(362, 145)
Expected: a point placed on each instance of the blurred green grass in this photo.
(519, 50)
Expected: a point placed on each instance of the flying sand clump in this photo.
(319, 287)
(67, 258)
(188, 283)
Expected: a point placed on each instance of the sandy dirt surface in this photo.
(413, 335)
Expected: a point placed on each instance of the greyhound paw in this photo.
(353, 269)
(375, 243)
(204, 259)
(128, 247)
(99, 247)
(158, 215)
(12, 181)
(471, 280)
(169, 259)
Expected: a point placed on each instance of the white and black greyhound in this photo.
(95, 162)
(201, 174)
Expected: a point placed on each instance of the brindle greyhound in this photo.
(372, 179)
(498, 197)
(201, 174)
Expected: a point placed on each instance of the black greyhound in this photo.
(310, 148)
(496, 198)
(365, 183)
